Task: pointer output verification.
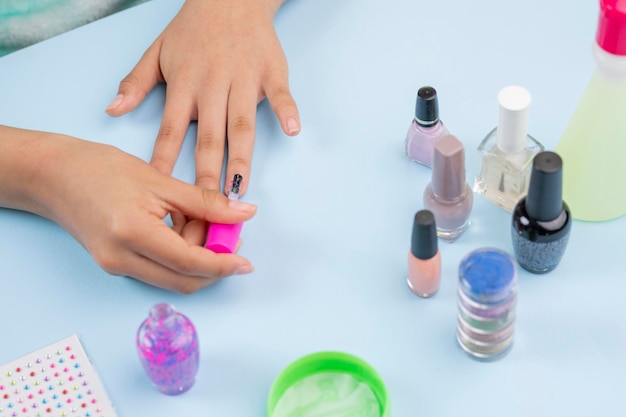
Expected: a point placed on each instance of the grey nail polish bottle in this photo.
(448, 195)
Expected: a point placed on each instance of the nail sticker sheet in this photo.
(55, 381)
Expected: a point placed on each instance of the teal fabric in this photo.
(16, 7)
(25, 22)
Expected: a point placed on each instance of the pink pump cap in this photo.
(611, 35)
(223, 238)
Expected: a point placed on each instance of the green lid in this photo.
(320, 364)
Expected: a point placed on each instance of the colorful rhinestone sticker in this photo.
(55, 381)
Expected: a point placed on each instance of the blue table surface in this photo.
(331, 236)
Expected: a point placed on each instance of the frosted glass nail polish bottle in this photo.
(425, 129)
(507, 151)
(424, 257)
(594, 142)
(167, 344)
(448, 196)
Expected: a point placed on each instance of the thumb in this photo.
(138, 83)
(209, 205)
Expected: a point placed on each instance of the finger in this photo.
(199, 203)
(282, 103)
(174, 125)
(138, 83)
(151, 272)
(241, 122)
(195, 232)
(211, 140)
(164, 247)
(178, 222)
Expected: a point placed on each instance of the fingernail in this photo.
(116, 102)
(292, 126)
(244, 269)
(241, 206)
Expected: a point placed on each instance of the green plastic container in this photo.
(328, 363)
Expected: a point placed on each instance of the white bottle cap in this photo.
(513, 118)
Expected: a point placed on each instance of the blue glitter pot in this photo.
(487, 296)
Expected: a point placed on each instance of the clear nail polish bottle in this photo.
(448, 195)
(425, 129)
(507, 151)
(167, 344)
(424, 257)
(542, 221)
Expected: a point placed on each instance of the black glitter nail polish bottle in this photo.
(542, 221)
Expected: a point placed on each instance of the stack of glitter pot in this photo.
(487, 295)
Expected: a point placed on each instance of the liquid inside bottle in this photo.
(504, 177)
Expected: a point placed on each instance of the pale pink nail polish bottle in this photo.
(448, 195)
(425, 129)
(424, 257)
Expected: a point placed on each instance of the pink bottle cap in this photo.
(223, 238)
(611, 35)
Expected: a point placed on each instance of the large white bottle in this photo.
(593, 147)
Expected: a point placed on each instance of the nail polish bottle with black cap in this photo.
(425, 129)
(542, 221)
(424, 257)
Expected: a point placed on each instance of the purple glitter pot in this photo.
(167, 344)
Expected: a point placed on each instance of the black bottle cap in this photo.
(424, 237)
(426, 106)
(544, 201)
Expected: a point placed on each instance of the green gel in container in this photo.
(328, 384)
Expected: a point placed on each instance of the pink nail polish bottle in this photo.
(425, 129)
(448, 195)
(424, 257)
(223, 238)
